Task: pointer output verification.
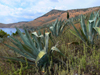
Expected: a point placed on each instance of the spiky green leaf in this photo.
(97, 29)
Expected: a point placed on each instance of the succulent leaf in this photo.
(40, 55)
(97, 29)
(83, 26)
(57, 27)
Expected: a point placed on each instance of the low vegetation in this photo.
(14, 34)
(87, 33)
(54, 50)
(3, 34)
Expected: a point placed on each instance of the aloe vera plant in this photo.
(87, 32)
(34, 48)
(57, 28)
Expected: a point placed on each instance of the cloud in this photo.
(10, 15)
(20, 10)
(54, 0)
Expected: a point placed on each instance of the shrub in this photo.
(16, 33)
(3, 34)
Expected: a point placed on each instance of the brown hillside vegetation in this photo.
(54, 14)
(12, 25)
(50, 17)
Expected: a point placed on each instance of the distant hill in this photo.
(2, 25)
(12, 25)
(51, 17)
(60, 14)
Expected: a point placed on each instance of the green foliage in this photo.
(57, 27)
(67, 15)
(97, 29)
(87, 32)
(14, 34)
(3, 34)
(34, 48)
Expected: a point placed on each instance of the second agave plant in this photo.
(57, 28)
(87, 32)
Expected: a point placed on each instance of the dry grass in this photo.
(81, 59)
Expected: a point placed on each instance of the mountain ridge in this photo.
(50, 17)
(12, 25)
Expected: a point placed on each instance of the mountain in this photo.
(60, 14)
(51, 17)
(2, 25)
(12, 25)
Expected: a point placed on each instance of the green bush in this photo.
(3, 34)
(16, 33)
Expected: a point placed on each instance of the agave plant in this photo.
(97, 29)
(87, 32)
(34, 48)
(57, 28)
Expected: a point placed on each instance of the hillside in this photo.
(12, 25)
(54, 14)
(51, 17)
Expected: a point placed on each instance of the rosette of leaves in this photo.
(57, 27)
(34, 48)
(87, 33)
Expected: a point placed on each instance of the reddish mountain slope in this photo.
(54, 14)
(12, 25)
(51, 17)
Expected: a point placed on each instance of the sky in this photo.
(12, 11)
